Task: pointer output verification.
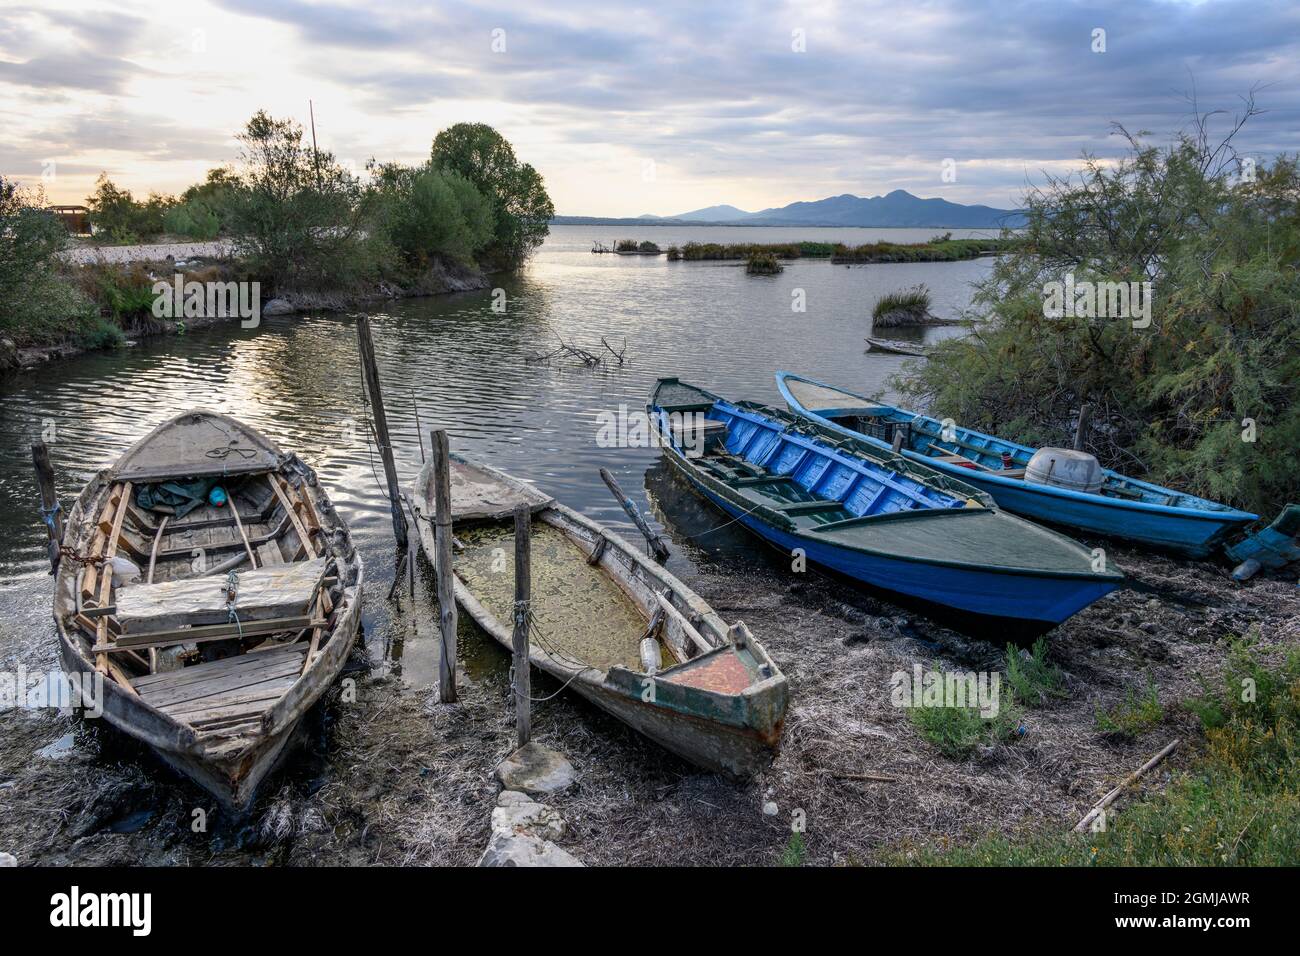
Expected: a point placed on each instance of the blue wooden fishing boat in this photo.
(1020, 478)
(871, 515)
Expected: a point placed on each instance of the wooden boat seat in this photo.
(226, 694)
(269, 593)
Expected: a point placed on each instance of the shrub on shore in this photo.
(1200, 389)
(38, 305)
(1238, 804)
(428, 213)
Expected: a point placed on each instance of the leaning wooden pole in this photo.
(51, 513)
(523, 603)
(442, 565)
(371, 369)
(657, 544)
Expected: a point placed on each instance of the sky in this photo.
(628, 109)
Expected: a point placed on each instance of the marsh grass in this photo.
(1034, 681)
(1238, 804)
(957, 731)
(763, 264)
(1137, 713)
(913, 302)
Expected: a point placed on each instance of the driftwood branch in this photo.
(588, 359)
(1111, 797)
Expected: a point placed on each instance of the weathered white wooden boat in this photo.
(897, 347)
(611, 624)
(214, 628)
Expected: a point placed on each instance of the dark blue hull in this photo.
(1042, 600)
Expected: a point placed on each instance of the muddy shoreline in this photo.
(392, 778)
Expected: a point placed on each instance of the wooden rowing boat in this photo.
(214, 629)
(897, 347)
(873, 516)
(708, 692)
(1124, 508)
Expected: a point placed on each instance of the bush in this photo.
(102, 334)
(1133, 716)
(38, 306)
(956, 731)
(1222, 254)
(428, 213)
(295, 214)
(1238, 804)
(117, 217)
(1034, 681)
(193, 221)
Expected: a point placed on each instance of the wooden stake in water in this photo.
(49, 500)
(371, 369)
(656, 543)
(442, 565)
(523, 602)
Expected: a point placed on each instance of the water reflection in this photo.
(454, 362)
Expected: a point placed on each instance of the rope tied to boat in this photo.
(47, 514)
(232, 594)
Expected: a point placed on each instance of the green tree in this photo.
(1221, 250)
(516, 190)
(428, 213)
(37, 305)
(203, 209)
(295, 214)
(117, 216)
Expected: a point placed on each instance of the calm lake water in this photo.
(462, 366)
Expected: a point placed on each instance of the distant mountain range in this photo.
(896, 209)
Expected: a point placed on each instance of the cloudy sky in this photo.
(628, 109)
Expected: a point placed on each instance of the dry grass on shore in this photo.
(393, 779)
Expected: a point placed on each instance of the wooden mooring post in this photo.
(370, 368)
(523, 604)
(442, 565)
(51, 513)
(1081, 426)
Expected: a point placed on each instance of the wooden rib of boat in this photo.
(897, 347)
(1124, 508)
(240, 617)
(872, 516)
(706, 691)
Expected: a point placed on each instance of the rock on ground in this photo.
(8, 859)
(505, 850)
(522, 831)
(536, 770)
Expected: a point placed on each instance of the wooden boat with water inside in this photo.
(215, 620)
(1117, 506)
(871, 515)
(610, 623)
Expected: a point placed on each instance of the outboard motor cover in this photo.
(1065, 468)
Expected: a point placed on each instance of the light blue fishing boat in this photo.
(1022, 479)
(873, 516)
